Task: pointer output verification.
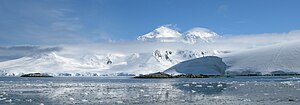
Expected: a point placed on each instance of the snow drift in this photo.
(210, 65)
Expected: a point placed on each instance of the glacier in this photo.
(209, 65)
(283, 57)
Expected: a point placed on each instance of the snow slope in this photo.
(45, 63)
(210, 65)
(283, 57)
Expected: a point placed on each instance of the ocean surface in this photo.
(252, 90)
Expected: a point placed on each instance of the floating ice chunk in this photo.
(198, 86)
(186, 85)
(193, 91)
(246, 100)
(216, 97)
(84, 100)
(29, 100)
(119, 102)
(1, 99)
(42, 104)
(141, 90)
(241, 84)
(10, 100)
(4, 93)
(209, 86)
(72, 99)
(219, 85)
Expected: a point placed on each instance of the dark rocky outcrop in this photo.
(165, 75)
(36, 75)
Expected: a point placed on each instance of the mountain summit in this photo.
(167, 34)
(161, 34)
(200, 34)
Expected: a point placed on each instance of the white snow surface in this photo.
(162, 34)
(200, 34)
(282, 57)
(88, 65)
(167, 34)
(279, 57)
(210, 65)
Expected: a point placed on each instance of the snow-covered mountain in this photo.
(99, 64)
(40, 63)
(167, 34)
(276, 58)
(200, 34)
(162, 34)
(242, 55)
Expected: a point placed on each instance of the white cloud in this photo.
(14, 52)
(42, 22)
(65, 26)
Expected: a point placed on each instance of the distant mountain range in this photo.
(89, 65)
(157, 51)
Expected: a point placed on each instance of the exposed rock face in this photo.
(155, 75)
(165, 75)
(36, 75)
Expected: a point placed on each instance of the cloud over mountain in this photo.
(13, 52)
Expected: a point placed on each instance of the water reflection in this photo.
(202, 88)
(107, 91)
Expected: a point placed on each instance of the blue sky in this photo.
(78, 21)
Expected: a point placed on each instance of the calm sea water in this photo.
(126, 90)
